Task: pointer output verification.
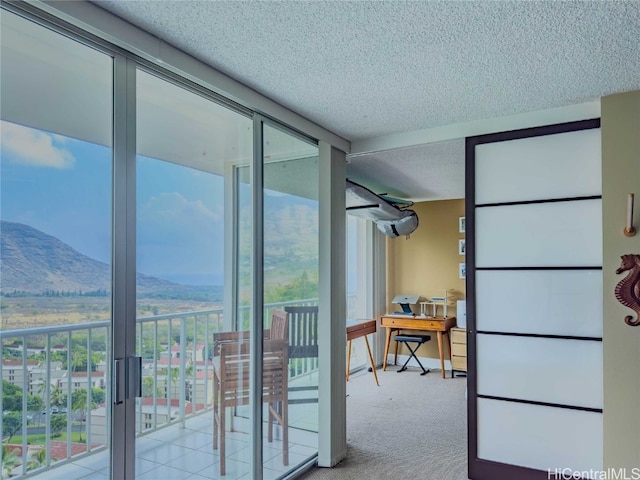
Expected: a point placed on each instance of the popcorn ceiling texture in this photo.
(428, 172)
(364, 69)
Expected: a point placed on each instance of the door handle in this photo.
(118, 381)
(134, 377)
(127, 379)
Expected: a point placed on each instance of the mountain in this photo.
(33, 262)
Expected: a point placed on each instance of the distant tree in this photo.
(147, 388)
(37, 460)
(58, 356)
(58, 424)
(297, 289)
(10, 354)
(34, 403)
(175, 376)
(40, 357)
(10, 389)
(79, 359)
(79, 404)
(99, 343)
(149, 351)
(12, 398)
(41, 386)
(57, 397)
(96, 358)
(9, 461)
(98, 395)
(11, 424)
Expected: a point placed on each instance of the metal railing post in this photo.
(183, 360)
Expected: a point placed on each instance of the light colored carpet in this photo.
(411, 426)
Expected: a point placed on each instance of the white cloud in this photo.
(179, 236)
(173, 208)
(33, 147)
(59, 138)
(172, 218)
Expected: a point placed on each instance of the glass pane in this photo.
(55, 223)
(562, 234)
(519, 434)
(187, 147)
(550, 302)
(550, 370)
(357, 287)
(290, 292)
(552, 166)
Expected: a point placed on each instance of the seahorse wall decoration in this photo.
(628, 289)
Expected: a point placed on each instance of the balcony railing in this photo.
(69, 368)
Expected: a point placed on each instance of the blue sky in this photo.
(62, 186)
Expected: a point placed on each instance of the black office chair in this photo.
(418, 340)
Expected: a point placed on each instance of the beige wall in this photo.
(428, 261)
(620, 175)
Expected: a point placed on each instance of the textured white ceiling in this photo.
(427, 172)
(363, 69)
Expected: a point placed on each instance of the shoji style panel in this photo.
(534, 306)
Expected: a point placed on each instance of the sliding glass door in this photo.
(187, 147)
(151, 233)
(290, 286)
(358, 285)
(56, 252)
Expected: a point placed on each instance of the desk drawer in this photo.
(459, 349)
(459, 363)
(412, 323)
(458, 335)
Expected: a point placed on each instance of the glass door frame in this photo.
(123, 404)
(257, 293)
(121, 414)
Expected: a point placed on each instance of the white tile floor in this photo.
(175, 453)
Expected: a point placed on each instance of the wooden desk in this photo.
(357, 329)
(435, 324)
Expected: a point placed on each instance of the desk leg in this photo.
(395, 356)
(440, 351)
(348, 358)
(386, 350)
(373, 365)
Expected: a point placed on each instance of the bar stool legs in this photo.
(418, 340)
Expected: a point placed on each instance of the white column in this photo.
(332, 435)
